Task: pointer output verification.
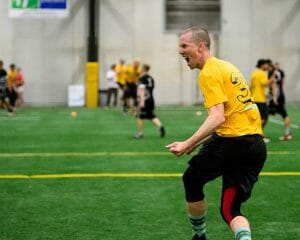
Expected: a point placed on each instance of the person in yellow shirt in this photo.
(259, 82)
(11, 84)
(121, 73)
(231, 138)
(133, 75)
(121, 79)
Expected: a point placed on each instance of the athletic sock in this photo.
(198, 225)
(243, 234)
(287, 131)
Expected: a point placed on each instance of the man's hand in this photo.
(179, 148)
(214, 120)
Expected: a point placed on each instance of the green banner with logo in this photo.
(38, 8)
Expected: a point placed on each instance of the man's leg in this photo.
(287, 122)
(158, 124)
(140, 128)
(115, 97)
(230, 210)
(197, 212)
(203, 168)
(196, 204)
(241, 228)
(108, 97)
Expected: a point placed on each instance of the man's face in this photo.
(265, 67)
(136, 64)
(189, 50)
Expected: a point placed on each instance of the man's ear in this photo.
(200, 47)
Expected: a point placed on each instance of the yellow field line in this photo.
(95, 154)
(121, 175)
(80, 154)
(280, 174)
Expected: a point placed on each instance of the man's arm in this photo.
(141, 95)
(214, 120)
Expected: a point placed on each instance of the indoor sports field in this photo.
(85, 177)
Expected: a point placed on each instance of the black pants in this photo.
(112, 91)
(238, 160)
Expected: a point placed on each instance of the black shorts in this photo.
(147, 112)
(238, 160)
(2, 94)
(263, 110)
(131, 90)
(279, 108)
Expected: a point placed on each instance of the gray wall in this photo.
(263, 29)
(52, 52)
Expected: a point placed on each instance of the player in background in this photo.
(11, 84)
(133, 72)
(121, 80)
(146, 104)
(19, 87)
(4, 100)
(259, 83)
(278, 106)
(113, 86)
(231, 138)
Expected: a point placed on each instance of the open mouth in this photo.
(186, 59)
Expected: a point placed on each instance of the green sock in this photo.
(198, 224)
(243, 234)
(287, 131)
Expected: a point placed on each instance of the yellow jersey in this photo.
(221, 82)
(133, 74)
(11, 79)
(258, 86)
(121, 74)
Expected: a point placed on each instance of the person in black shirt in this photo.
(278, 105)
(146, 103)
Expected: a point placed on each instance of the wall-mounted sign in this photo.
(38, 8)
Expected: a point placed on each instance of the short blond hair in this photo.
(198, 34)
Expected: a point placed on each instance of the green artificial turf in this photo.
(50, 142)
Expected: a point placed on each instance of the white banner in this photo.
(38, 8)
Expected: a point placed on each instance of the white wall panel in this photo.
(52, 53)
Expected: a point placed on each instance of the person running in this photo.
(231, 138)
(146, 104)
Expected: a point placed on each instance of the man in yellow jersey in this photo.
(231, 138)
(259, 82)
(11, 84)
(121, 79)
(133, 75)
(259, 87)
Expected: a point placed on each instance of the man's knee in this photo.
(193, 188)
